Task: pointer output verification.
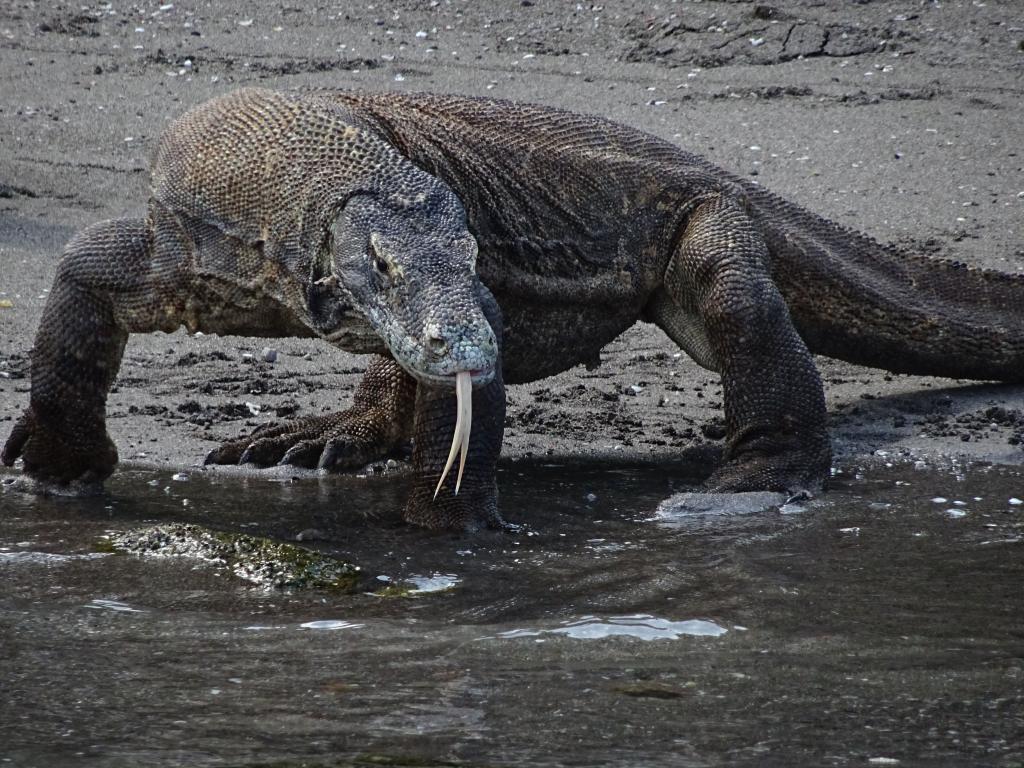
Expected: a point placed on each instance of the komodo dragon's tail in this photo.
(857, 300)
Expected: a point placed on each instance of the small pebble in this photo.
(1016, 502)
(269, 355)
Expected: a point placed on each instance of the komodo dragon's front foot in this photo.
(378, 422)
(344, 440)
(62, 449)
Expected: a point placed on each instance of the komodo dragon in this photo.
(357, 217)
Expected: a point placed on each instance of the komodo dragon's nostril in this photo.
(437, 345)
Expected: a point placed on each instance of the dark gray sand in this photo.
(902, 119)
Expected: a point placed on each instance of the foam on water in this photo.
(46, 558)
(102, 604)
(330, 624)
(639, 626)
(437, 582)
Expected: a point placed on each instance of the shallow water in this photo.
(870, 625)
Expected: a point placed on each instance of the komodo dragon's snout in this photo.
(407, 263)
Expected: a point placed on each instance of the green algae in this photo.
(106, 546)
(266, 562)
(402, 589)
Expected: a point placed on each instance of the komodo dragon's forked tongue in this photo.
(463, 424)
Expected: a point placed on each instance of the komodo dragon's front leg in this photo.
(446, 506)
(724, 309)
(108, 285)
(388, 408)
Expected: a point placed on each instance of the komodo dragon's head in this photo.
(406, 262)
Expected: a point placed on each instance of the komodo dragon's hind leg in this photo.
(720, 304)
(379, 420)
(108, 284)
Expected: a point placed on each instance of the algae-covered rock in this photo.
(262, 561)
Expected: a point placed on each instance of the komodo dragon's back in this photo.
(849, 296)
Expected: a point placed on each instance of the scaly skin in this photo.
(338, 214)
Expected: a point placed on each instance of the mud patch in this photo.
(994, 422)
(77, 25)
(736, 36)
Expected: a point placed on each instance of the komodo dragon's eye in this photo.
(382, 264)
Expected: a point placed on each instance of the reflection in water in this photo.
(101, 604)
(45, 558)
(640, 626)
(330, 624)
